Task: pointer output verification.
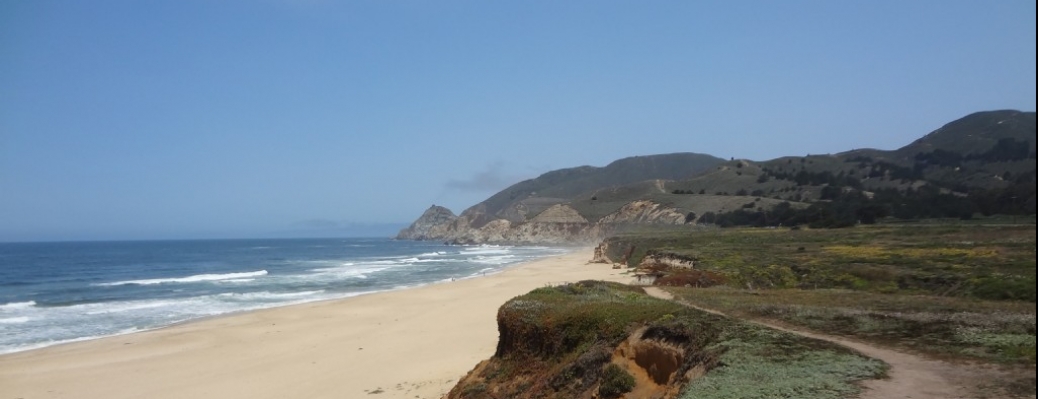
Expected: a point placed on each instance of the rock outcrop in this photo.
(436, 223)
(654, 258)
(559, 224)
(645, 212)
(601, 253)
(559, 214)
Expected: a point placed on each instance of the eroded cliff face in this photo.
(573, 341)
(559, 214)
(645, 212)
(672, 260)
(558, 225)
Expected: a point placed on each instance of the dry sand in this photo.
(412, 343)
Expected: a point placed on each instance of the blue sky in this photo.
(191, 119)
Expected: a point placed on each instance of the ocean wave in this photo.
(188, 307)
(267, 295)
(4, 349)
(14, 320)
(122, 306)
(396, 262)
(17, 305)
(481, 250)
(189, 279)
(495, 260)
(348, 271)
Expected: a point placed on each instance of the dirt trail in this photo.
(910, 376)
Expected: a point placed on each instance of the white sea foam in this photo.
(346, 271)
(486, 250)
(189, 279)
(14, 320)
(495, 260)
(46, 343)
(17, 305)
(267, 296)
(420, 260)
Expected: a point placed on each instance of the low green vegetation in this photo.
(963, 290)
(615, 382)
(845, 207)
(958, 259)
(565, 342)
(757, 368)
(571, 318)
(1001, 331)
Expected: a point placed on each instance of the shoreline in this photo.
(345, 296)
(407, 343)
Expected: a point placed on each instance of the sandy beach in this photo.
(412, 343)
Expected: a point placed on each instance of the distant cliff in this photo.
(562, 224)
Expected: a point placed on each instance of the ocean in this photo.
(52, 293)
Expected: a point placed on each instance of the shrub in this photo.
(615, 382)
(692, 278)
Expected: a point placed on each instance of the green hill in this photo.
(982, 163)
(984, 150)
(528, 198)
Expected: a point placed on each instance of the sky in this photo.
(277, 118)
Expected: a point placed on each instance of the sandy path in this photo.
(910, 376)
(410, 344)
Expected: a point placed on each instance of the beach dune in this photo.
(412, 343)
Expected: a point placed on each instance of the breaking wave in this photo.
(189, 279)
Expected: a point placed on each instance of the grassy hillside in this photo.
(982, 151)
(975, 133)
(983, 163)
(534, 195)
(596, 207)
(987, 155)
